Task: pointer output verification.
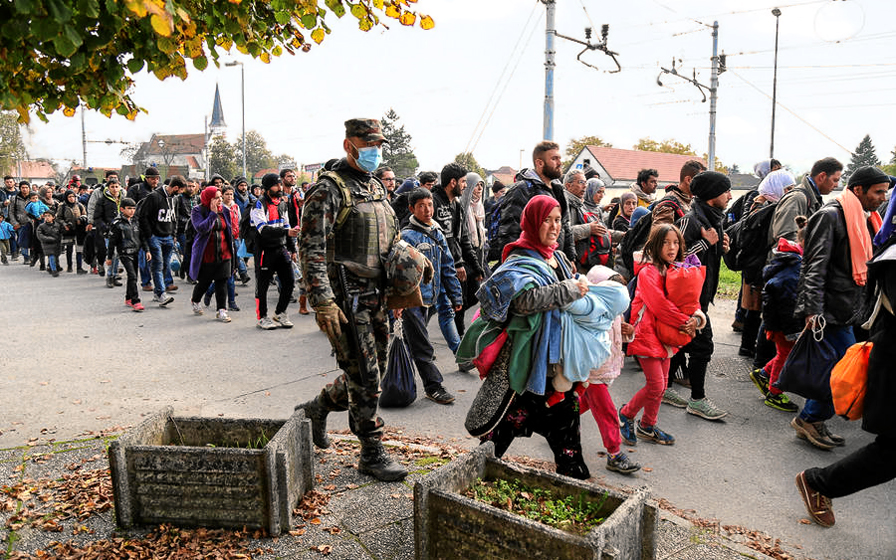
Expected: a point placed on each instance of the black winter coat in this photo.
(691, 225)
(105, 212)
(881, 393)
(781, 277)
(453, 221)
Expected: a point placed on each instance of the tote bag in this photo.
(807, 371)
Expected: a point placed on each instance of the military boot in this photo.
(315, 411)
(377, 463)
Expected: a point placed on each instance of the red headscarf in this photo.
(533, 216)
(206, 196)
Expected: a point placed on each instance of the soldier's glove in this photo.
(329, 317)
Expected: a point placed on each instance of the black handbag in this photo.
(807, 371)
(398, 388)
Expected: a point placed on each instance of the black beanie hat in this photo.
(269, 180)
(866, 176)
(710, 184)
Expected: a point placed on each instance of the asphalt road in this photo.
(76, 360)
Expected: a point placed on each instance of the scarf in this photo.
(533, 216)
(772, 187)
(860, 249)
(636, 188)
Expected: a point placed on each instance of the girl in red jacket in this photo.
(650, 306)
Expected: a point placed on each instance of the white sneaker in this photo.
(283, 320)
(222, 316)
(197, 307)
(162, 299)
(266, 324)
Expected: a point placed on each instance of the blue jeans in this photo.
(112, 271)
(231, 289)
(25, 238)
(145, 273)
(52, 263)
(841, 338)
(160, 248)
(446, 321)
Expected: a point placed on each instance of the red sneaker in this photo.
(138, 306)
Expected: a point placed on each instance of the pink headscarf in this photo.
(207, 195)
(533, 216)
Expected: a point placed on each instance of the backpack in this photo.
(748, 244)
(593, 250)
(636, 237)
(248, 234)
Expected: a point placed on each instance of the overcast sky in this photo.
(477, 79)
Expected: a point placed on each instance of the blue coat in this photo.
(204, 221)
(782, 278)
(435, 248)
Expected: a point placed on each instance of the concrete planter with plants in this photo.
(214, 472)
(448, 525)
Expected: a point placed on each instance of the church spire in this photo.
(217, 125)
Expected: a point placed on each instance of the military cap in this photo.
(368, 130)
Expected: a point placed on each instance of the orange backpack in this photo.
(849, 381)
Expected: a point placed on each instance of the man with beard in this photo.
(546, 164)
(387, 178)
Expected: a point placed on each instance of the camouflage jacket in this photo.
(323, 201)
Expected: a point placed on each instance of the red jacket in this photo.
(650, 295)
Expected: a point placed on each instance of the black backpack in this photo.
(593, 250)
(748, 244)
(248, 234)
(634, 240)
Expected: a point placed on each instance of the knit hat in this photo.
(269, 180)
(236, 182)
(497, 186)
(207, 194)
(599, 273)
(151, 171)
(128, 203)
(709, 184)
(867, 176)
(69, 192)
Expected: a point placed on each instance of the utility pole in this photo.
(549, 52)
(83, 140)
(713, 96)
(771, 150)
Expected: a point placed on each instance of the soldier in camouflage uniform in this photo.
(348, 242)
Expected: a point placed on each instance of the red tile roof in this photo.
(264, 172)
(624, 165)
(33, 170)
(505, 174)
(176, 144)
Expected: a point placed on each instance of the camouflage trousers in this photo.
(357, 389)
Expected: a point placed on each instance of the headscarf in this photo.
(475, 210)
(772, 187)
(533, 216)
(639, 212)
(594, 185)
(624, 197)
(407, 186)
(762, 168)
(207, 194)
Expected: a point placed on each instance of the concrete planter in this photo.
(208, 471)
(448, 525)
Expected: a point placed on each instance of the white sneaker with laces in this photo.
(197, 308)
(282, 319)
(222, 316)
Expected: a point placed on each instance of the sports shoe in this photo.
(138, 306)
(813, 432)
(232, 306)
(282, 319)
(673, 398)
(627, 429)
(705, 408)
(162, 299)
(244, 278)
(781, 402)
(654, 434)
(266, 324)
(110, 282)
(117, 281)
(817, 505)
(197, 309)
(222, 316)
(761, 380)
(440, 395)
(622, 464)
(839, 441)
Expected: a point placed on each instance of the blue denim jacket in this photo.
(444, 279)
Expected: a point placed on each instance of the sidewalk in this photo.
(61, 493)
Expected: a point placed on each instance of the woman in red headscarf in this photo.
(525, 295)
(212, 256)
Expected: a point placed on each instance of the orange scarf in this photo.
(860, 248)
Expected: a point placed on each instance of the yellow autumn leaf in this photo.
(317, 35)
(277, 50)
(426, 22)
(408, 18)
(161, 25)
(392, 11)
(365, 25)
(265, 57)
(378, 4)
(68, 112)
(136, 7)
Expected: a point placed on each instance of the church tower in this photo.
(217, 127)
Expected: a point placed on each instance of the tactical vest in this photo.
(365, 228)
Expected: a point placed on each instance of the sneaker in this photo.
(761, 380)
(170, 288)
(138, 306)
(737, 326)
(266, 324)
(812, 432)
(222, 316)
(162, 299)
(781, 402)
(440, 395)
(654, 434)
(466, 366)
(232, 306)
(282, 319)
(128, 303)
(110, 282)
(627, 429)
(817, 505)
(704, 408)
(673, 398)
(197, 309)
(81, 271)
(622, 464)
(117, 281)
(207, 300)
(244, 278)
(839, 441)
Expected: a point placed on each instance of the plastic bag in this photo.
(807, 371)
(242, 252)
(849, 381)
(683, 287)
(399, 387)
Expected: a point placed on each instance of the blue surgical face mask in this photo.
(369, 158)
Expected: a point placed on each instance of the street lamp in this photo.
(243, 100)
(777, 13)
